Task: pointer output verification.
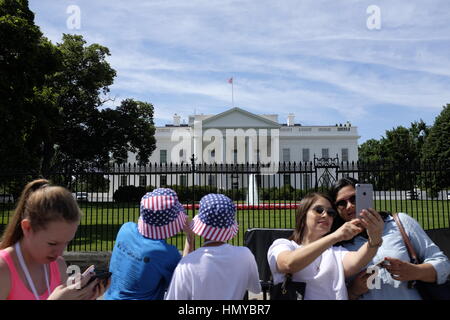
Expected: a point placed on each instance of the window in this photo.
(344, 154)
(235, 156)
(163, 156)
(325, 153)
(183, 180)
(123, 181)
(142, 181)
(163, 180)
(305, 155)
(286, 155)
(287, 179)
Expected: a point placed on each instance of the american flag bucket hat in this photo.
(216, 219)
(161, 214)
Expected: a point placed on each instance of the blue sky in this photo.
(316, 59)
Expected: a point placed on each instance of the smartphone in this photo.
(364, 197)
(101, 275)
(382, 263)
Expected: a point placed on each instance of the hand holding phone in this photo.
(101, 276)
(382, 263)
(364, 197)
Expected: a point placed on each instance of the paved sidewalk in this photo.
(251, 296)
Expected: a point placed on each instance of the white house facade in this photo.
(237, 136)
(297, 143)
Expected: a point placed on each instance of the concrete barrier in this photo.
(83, 259)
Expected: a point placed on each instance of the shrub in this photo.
(129, 194)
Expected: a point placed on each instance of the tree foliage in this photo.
(26, 60)
(51, 102)
(436, 150)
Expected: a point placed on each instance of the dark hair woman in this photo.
(395, 272)
(310, 255)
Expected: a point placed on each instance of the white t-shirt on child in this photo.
(324, 277)
(223, 272)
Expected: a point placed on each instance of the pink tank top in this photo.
(18, 290)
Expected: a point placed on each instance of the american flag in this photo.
(162, 216)
(216, 219)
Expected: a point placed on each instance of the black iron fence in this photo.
(110, 198)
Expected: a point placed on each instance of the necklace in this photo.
(27, 273)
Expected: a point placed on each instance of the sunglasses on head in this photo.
(330, 211)
(343, 202)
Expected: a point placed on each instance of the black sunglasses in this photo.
(343, 202)
(330, 211)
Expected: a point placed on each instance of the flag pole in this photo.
(232, 93)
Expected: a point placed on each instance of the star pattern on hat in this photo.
(161, 217)
(164, 192)
(217, 211)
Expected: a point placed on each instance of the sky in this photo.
(378, 64)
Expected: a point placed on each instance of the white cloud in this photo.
(314, 58)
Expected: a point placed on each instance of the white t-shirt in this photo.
(324, 277)
(223, 272)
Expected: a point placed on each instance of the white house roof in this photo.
(238, 118)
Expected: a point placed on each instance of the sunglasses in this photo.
(330, 211)
(343, 203)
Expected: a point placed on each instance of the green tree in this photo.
(419, 132)
(85, 75)
(400, 151)
(436, 151)
(86, 136)
(51, 102)
(27, 59)
(370, 151)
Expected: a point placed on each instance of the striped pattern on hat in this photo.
(216, 219)
(162, 215)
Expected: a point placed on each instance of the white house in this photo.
(237, 136)
(296, 142)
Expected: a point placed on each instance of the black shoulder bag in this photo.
(288, 290)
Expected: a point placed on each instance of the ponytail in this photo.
(40, 203)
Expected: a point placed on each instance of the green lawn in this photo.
(101, 222)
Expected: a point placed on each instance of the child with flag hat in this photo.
(142, 262)
(217, 270)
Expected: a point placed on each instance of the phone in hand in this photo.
(382, 263)
(364, 197)
(101, 275)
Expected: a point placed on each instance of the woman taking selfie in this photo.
(309, 255)
(395, 269)
(31, 266)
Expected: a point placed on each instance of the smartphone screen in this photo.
(364, 197)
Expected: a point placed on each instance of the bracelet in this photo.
(376, 245)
